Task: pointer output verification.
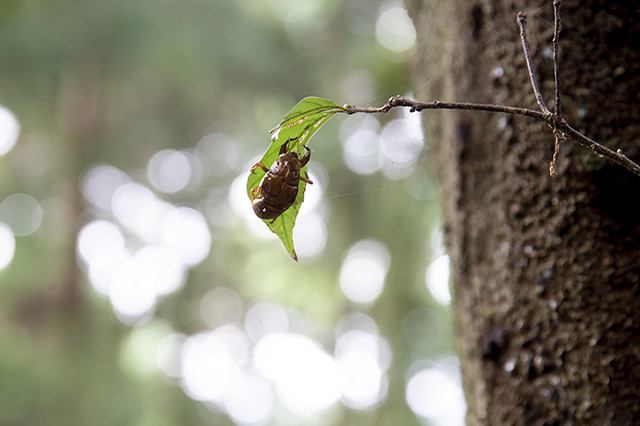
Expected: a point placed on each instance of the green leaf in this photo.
(297, 127)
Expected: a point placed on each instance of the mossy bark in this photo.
(546, 271)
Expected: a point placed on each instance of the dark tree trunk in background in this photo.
(546, 270)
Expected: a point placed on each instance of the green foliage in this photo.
(297, 127)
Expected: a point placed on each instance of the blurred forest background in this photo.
(137, 287)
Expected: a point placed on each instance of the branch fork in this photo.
(559, 126)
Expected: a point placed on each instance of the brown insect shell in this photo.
(279, 187)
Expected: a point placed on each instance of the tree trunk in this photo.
(545, 270)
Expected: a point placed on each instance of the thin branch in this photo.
(558, 135)
(616, 156)
(522, 21)
(556, 61)
(401, 101)
(562, 127)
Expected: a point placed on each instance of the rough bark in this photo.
(545, 270)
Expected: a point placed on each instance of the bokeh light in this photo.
(437, 396)
(185, 230)
(100, 243)
(250, 401)
(212, 363)
(134, 282)
(356, 321)
(131, 293)
(305, 376)
(363, 359)
(437, 279)
(266, 363)
(310, 235)
(138, 209)
(394, 149)
(401, 143)
(301, 18)
(22, 213)
(313, 194)
(264, 318)
(363, 380)
(361, 144)
(143, 254)
(7, 245)
(394, 28)
(100, 184)
(218, 209)
(9, 130)
(168, 355)
(221, 306)
(218, 154)
(162, 266)
(171, 171)
(364, 270)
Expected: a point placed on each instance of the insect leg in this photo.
(306, 157)
(262, 166)
(255, 192)
(305, 179)
(285, 147)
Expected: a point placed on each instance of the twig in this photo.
(556, 61)
(616, 156)
(552, 120)
(522, 21)
(561, 129)
(559, 136)
(401, 101)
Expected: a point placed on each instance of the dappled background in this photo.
(137, 287)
